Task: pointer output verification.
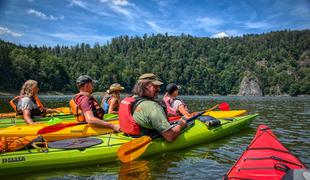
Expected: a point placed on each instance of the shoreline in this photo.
(57, 93)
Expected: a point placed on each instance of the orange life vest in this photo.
(126, 121)
(8, 144)
(78, 113)
(40, 111)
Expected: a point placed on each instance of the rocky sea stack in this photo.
(249, 86)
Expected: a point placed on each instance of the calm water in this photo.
(288, 117)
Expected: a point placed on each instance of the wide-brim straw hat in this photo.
(115, 87)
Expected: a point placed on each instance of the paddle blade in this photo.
(224, 106)
(55, 128)
(133, 149)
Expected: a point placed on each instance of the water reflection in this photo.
(134, 170)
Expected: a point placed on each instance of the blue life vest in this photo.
(105, 105)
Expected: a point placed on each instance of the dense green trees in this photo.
(280, 60)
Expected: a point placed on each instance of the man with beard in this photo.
(140, 114)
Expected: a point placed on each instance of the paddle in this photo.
(224, 106)
(136, 147)
(60, 126)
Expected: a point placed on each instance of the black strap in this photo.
(135, 104)
(267, 148)
(277, 166)
(274, 158)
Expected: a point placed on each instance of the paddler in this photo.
(29, 104)
(141, 115)
(111, 100)
(85, 107)
(174, 105)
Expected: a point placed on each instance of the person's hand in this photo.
(182, 123)
(116, 128)
(194, 114)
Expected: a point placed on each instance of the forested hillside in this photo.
(280, 61)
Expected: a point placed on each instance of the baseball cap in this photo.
(170, 88)
(83, 79)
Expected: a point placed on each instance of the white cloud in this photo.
(206, 21)
(220, 35)
(93, 8)
(121, 10)
(120, 7)
(78, 3)
(81, 38)
(42, 15)
(120, 2)
(256, 25)
(4, 30)
(116, 2)
(157, 28)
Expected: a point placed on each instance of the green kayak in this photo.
(31, 160)
(6, 122)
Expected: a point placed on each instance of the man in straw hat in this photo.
(85, 106)
(148, 115)
(110, 101)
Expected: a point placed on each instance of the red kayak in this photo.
(265, 158)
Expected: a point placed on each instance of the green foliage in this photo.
(280, 61)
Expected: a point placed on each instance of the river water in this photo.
(288, 117)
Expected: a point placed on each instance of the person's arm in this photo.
(112, 106)
(27, 116)
(172, 133)
(49, 110)
(183, 111)
(91, 119)
(160, 122)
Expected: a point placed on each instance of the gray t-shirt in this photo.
(26, 103)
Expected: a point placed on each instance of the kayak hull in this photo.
(24, 161)
(265, 158)
(7, 122)
(10, 121)
(76, 131)
(62, 110)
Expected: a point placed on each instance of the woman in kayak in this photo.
(174, 105)
(111, 100)
(29, 104)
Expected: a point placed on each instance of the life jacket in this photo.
(78, 113)
(8, 144)
(105, 103)
(170, 110)
(126, 121)
(40, 111)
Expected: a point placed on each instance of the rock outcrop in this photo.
(249, 86)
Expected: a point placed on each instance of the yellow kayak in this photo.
(225, 114)
(81, 130)
(62, 110)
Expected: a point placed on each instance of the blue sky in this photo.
(68, 22)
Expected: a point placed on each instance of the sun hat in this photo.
(150, 77)
(115, 87)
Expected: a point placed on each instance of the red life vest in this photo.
(126, 121)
